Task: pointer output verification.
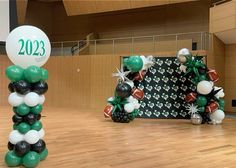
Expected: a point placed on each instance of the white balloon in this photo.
(137, 105)
(15, 136)
(110, 99)
(183, 68)
(130, 99)
(28, 45)
(129, 107)
(131, 83)
(32, 137)
(31, 99)
(204, 87)
(220, 94)
(183, 51)
(217, 116)
(41, 133)
(41, 99)
(15, 99)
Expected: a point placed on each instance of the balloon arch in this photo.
(205, 103)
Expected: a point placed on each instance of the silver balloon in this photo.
(196, 119)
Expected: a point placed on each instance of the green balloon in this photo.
(37, 126)
(12, 160)
(15, 73)
(15, 126)
(222, 108)
(44, 74)
(202, 77)
(23, 127)
(44, 154)
(134, 63)
(221, 102)
(201, 101)
(31, 159)
(14, 109)
(33, 74)
(23, 109)
(37, 109)
(201, 109)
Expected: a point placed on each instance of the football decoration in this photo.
(108, 111)
(207, 104)
(139, 76)
(213, 75)
(213, 106)
(124, 106)
(191, 97)
(138, 94)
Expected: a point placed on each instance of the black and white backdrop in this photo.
(165, 87)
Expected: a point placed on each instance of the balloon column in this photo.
(123, 107)
(28, 48)
(206, 104)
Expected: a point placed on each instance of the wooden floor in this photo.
(85, 140)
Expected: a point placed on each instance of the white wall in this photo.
(4, 19)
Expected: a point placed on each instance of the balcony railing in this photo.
(133, 45)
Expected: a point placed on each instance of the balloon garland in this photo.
(26, 145)
(123, 107)
(206, 104)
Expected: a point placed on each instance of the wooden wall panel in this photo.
(81, 82)
(230, 76)
(223, 17)
(81, 7)
(39, 14)
(183, 17)
(5, 62)
(216, 59)
(21, 10)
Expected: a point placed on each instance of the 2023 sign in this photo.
(34, 48)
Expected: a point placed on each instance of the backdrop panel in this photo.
(165, 87)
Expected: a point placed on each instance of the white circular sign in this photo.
(28, 45)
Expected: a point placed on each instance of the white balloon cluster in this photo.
(31, 136)
(132, 105)
(217, 116)
(31, 99)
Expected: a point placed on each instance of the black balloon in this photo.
(21, 148)
(38, 116)
(30, 118)
(22, 87)
(39, 146)
(17, 119)
(123, 90)
(11, 87)
(10, 146)
(40, 87)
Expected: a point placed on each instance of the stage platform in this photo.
(84, 139)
